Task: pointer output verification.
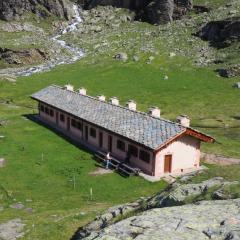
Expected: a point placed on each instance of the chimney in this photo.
(101, 98)
(114, 101)
(154, 112)
(184, 120)
(82, 91)
(69, 87)
(131, 105)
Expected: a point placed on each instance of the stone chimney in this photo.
(131, 105)
(101, 98)
(154, 112)
(69, 87)
(114, 101)
(82, 91)
(184, 120)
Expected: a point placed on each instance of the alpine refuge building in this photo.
(143, 140)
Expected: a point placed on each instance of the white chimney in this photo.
(82, 91)
(154, 112)
(184, 120)
(131, 105)
(69, 87)
(114, 101)
(101, 98)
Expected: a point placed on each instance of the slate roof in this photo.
(137, 126)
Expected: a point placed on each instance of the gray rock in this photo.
(2, 162)
(135, 58)
(206, 220)
(13, 9)
(12, 229)
(17, 206)
(177, 193)
(237, 85)
(121, 56)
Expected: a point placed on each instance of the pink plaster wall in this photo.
(185, 153)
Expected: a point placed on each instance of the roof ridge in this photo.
(120, 106)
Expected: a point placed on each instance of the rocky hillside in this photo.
(156, 11)
(14, 9)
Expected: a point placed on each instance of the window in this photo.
(51, 113)
(73, 123)
(42, 108)
(121, 145)
(62, 118)
(133, 150)
(145, 156)
(46, 110)
(76, 124)
(93, 132)
(79, 126)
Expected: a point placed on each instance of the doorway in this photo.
(86, 133)
(168, 163)
(57, 118)
(100, 139)
(109, 143)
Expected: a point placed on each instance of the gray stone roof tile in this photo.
(136, 126)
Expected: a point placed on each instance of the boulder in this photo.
(237, 85)
(232, 71)
(121, 56)
(221, 33)
(2, 162)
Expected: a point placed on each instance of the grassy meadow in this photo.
(41, 165)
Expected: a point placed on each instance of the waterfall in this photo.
(75, 51)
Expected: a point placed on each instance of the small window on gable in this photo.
(46, 110)
(62, 117)
(51, 113)
(93, 132)
(133, 150)
(121, 145)
(144, 156)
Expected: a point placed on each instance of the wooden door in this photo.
(110, 143)
(168, 163)
(100, 139)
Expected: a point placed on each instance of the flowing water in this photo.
(75, 52)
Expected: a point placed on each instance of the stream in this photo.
(76, 53)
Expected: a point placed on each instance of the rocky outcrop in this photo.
(180, 194)
(205, 220)
(109, 217)
(22, 57)
(232, 71)
(153, 11)
(175, 195)
(13, 9)
(221, 33)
